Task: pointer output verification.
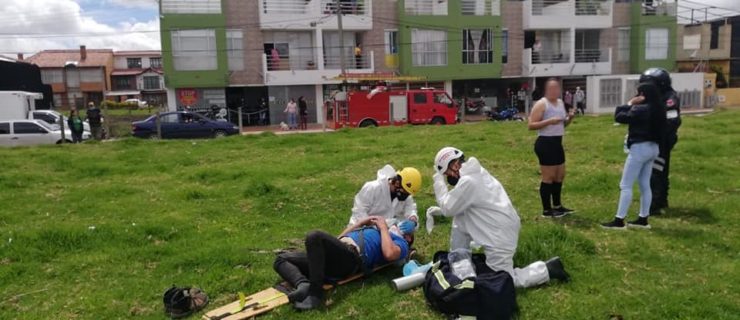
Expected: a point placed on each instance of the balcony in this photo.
(304, 70)
(553, 14)
(426, 7)
(480, 7)
(659, 8)
(307, 14)
(562, 63)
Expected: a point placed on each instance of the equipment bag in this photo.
(489, 296)
(182, 302)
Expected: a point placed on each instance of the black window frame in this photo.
(4, 127)
(39, 129)
(420, 94)
(135, 64)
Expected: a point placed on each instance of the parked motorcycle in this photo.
(506, 114)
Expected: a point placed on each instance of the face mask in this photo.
(402, 196)
(452, 180)
(394, 195)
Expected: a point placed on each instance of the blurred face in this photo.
(552, 90)
(397, 190)
(453, 169)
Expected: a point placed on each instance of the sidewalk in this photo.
(312, 128)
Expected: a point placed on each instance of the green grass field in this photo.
(100, 230)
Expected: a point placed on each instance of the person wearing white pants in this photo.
(482, 212)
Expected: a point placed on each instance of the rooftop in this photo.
(60, 58)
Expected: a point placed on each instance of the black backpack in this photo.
(490, 295)
(182, 302)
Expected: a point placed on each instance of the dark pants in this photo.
(581, 107)
(303, 122)
(76, 136)
(659, 180)
(325, 258)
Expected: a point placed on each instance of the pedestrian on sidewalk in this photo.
(303, 110)
(291, 110)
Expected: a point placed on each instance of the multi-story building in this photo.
(76, 76)
(706, 47)
(253, 54)
(138, 75)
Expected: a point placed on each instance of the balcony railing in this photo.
(593, 7)
(659, 8)
(480, 7)
(426, 7)
(550, 57)
(286, 62)
(355, 7)
(539, 6)
(333, 61)
(285, 6)
(592, 55)
(348, 7)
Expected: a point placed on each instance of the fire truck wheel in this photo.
(368, 123)
(438, 120)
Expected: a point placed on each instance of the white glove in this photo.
(431, 212)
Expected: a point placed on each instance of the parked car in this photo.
(141, 104)
(182, 125)
(52, 117)
(15, 133)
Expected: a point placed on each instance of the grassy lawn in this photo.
(100, 230)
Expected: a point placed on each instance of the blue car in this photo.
(182, 125)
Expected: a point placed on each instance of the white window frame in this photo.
(610, 92)
(191, 6)
(391, 41)
(200, 59)
(428, 53)
(476, 51)
(657, 45)
(623, 44)
(49, 76)
(235, 49)
(91, 75)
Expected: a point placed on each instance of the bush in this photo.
(119, 105)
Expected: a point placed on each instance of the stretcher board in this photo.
(268, 299)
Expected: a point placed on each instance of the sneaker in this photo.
(564, 209)
(556, 270)
(641, 223)
(617, 224)
(553, 214)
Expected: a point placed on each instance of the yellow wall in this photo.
(728, 97)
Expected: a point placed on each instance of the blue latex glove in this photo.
(407, 226)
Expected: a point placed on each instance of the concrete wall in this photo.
(385, 11)
(728, 97)
(244, 15)
(511, 14)
(621, 19)
(690, 87)
(704, 52)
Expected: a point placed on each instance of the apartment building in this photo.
(137, 75)
(706, 47)
(76, 76)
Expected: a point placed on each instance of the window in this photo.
(194, 50)
(428, 47)
(4, 128)
(91, 75)
(169, 118)
(714, 36)
(44, 117)
(73, 78)
(391, 42)
(191, 6)
(611, 92)
(504, 46)
(477, 47)
(155, 63)
(623, 44)
(151, 83)
(442, 98)
(692, 42)
(57, 99)
(122, 83)
(235, 49)
(656, 44)
(133, 63)
(52, 76)
(420, 97)
(27, 128)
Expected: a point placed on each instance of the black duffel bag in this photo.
(490, 295)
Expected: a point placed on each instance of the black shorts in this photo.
(549, 150)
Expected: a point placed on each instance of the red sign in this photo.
(187, 97)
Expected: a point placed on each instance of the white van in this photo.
(16, 133)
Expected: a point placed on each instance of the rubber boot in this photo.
(556, 270)
(311, 302)
(300, 293)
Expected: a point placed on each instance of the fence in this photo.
(592, 55)
(333, 61)
(291, 62)
(593, 7)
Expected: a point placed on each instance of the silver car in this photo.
(16, 133)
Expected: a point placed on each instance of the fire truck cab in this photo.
(382, 108)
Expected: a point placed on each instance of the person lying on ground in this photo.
(482, 212)
(389, 196)
(359, 248)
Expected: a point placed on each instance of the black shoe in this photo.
(564, 209)
(300, 293)
(556, 270)
(617, 224)
(553, 214)
(311, 302)
(641, 223)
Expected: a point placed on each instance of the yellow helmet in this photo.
(410, 180)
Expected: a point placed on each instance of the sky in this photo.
(29, 26)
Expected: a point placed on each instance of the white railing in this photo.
(285, 6)
(191, 6)
(333, 61)
(542, 7)
(593, 7)
(351, 7)
(426, 7)
(480, 7)
(550, 56)
(288, 62)
(591, 55)
(659, 8)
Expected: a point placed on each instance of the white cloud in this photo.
(32, 26)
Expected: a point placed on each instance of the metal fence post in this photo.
(159, 126)
(107, 123)
(61, 125)
(240, 119)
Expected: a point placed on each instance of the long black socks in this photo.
(545, 194)
(556, 188)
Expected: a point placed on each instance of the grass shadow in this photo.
(698, 215)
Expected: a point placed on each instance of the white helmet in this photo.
(445, 156)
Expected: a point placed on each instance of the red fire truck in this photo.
(382, 108)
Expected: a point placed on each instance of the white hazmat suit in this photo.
(374, 199)
(482, 212)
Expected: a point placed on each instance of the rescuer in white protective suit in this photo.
(483, 213)
(389, 196)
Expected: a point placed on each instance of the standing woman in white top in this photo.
(549, 118)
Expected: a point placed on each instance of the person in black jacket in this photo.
(303, 112)
(659, 181)
(645, 114)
